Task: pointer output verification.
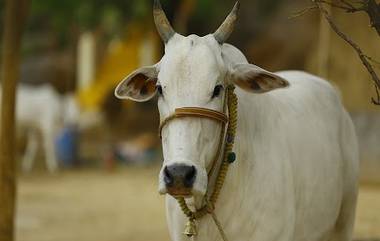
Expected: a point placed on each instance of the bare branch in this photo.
(346, 6)
(302, 12)
(350, 5)
(377, 62)
(360, 53)
(376, 101)
(373, 11)
(346, 3)
(371, 7)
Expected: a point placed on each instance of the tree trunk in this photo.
(373, 10)
(15, 11)
(181, 17)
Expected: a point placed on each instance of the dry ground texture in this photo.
(121, 206)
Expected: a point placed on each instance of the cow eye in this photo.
(217, 90)
(159, 89)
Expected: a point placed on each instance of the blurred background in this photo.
(89, 163)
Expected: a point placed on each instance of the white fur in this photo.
(295, 175)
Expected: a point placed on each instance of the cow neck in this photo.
(227, 158)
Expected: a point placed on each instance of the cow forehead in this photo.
(190, 61)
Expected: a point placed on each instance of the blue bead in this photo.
(230, 138)
(231, 157)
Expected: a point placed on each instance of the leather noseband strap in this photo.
(194, 112)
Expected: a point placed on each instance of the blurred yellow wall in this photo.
(122, 57)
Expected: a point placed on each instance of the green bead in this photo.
(231, 157)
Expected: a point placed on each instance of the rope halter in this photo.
(194, 112)
(227, 158)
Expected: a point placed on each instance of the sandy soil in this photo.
(367, 225)
(120, 206)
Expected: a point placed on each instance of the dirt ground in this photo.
(120, 206)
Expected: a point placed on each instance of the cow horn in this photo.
(162, 23)
(225, 30)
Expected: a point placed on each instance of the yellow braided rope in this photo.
(231, 130)
(219, 226)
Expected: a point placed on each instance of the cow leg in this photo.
(50, 158)
(345, 223)
(30, 152)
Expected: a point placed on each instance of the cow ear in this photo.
(255, 79)
(139, 86)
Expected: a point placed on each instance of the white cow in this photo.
(295, 175)
(41, 111)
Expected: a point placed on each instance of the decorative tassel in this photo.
(231, 157)
(191, 228)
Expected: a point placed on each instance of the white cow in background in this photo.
(41, 111)
(296, 169)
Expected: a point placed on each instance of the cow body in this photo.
(295, 177)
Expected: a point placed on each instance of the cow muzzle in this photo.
(182, 179)
(179, 179)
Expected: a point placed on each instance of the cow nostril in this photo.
(168, 178)
(189, 177)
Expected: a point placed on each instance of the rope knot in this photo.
(210, 207)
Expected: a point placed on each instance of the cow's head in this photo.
(194, 72)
